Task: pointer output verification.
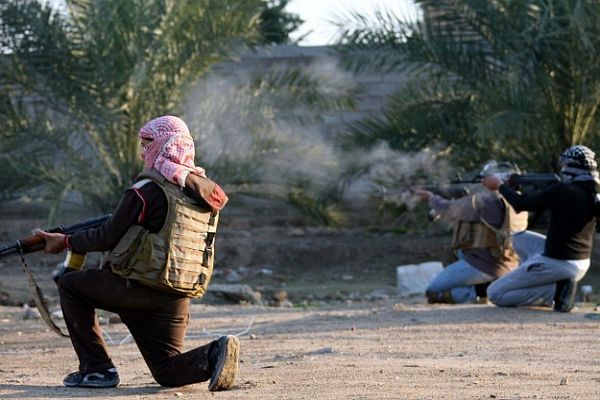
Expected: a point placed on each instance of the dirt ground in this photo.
(344, 335)
(384, 350)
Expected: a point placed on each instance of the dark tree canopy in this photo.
(276, 24)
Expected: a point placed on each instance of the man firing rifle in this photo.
(481, 242)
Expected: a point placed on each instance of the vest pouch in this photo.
(463, 236)
(484, 237)
(129, 247)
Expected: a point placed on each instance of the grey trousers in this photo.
(533, 283)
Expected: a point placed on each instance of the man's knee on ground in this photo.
(165, 379)
(168, 375)
(496, 296)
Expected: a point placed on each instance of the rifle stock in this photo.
(33, 243)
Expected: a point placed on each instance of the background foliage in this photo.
(78, 85)
(514, 80)
(502, 79)
(276, 24)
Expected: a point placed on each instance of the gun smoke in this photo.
(251, 131)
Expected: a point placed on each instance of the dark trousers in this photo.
(157, 321)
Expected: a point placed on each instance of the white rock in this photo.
(413, 279)
(30, 312)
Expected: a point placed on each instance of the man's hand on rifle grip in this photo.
(55, 242)
(492, 182)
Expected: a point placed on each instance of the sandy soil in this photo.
(334, 343)
(383, 350)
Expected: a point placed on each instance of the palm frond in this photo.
(499, 77)
(97, 74)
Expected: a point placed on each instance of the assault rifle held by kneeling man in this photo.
(73, 261)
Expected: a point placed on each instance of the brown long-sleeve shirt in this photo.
(146, 206)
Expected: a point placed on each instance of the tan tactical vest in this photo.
(472, 235)
(179, 258)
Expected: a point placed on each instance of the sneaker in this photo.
(224, 360)
(564, 297)
(104, 379)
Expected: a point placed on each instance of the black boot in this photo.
(564, 297)
(439, 297)
(481, 290)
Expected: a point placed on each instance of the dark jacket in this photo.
(572, 217)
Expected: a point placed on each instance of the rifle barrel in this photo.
(9, 250)
(534, 179)
(34, 243)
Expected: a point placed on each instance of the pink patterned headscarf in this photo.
(171, 151)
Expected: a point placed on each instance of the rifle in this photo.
(524, 183)
(32, 243)
(537, 180)
(516, 180)
(458, 187)
(449, 191)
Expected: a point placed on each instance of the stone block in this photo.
(413, 279)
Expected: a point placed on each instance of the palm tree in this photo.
(83, 83)
(489, 78)
(276, 23)
(77, 86)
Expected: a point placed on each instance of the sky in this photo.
(317, 15)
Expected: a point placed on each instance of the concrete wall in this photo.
(372, 92)
(372, 88)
